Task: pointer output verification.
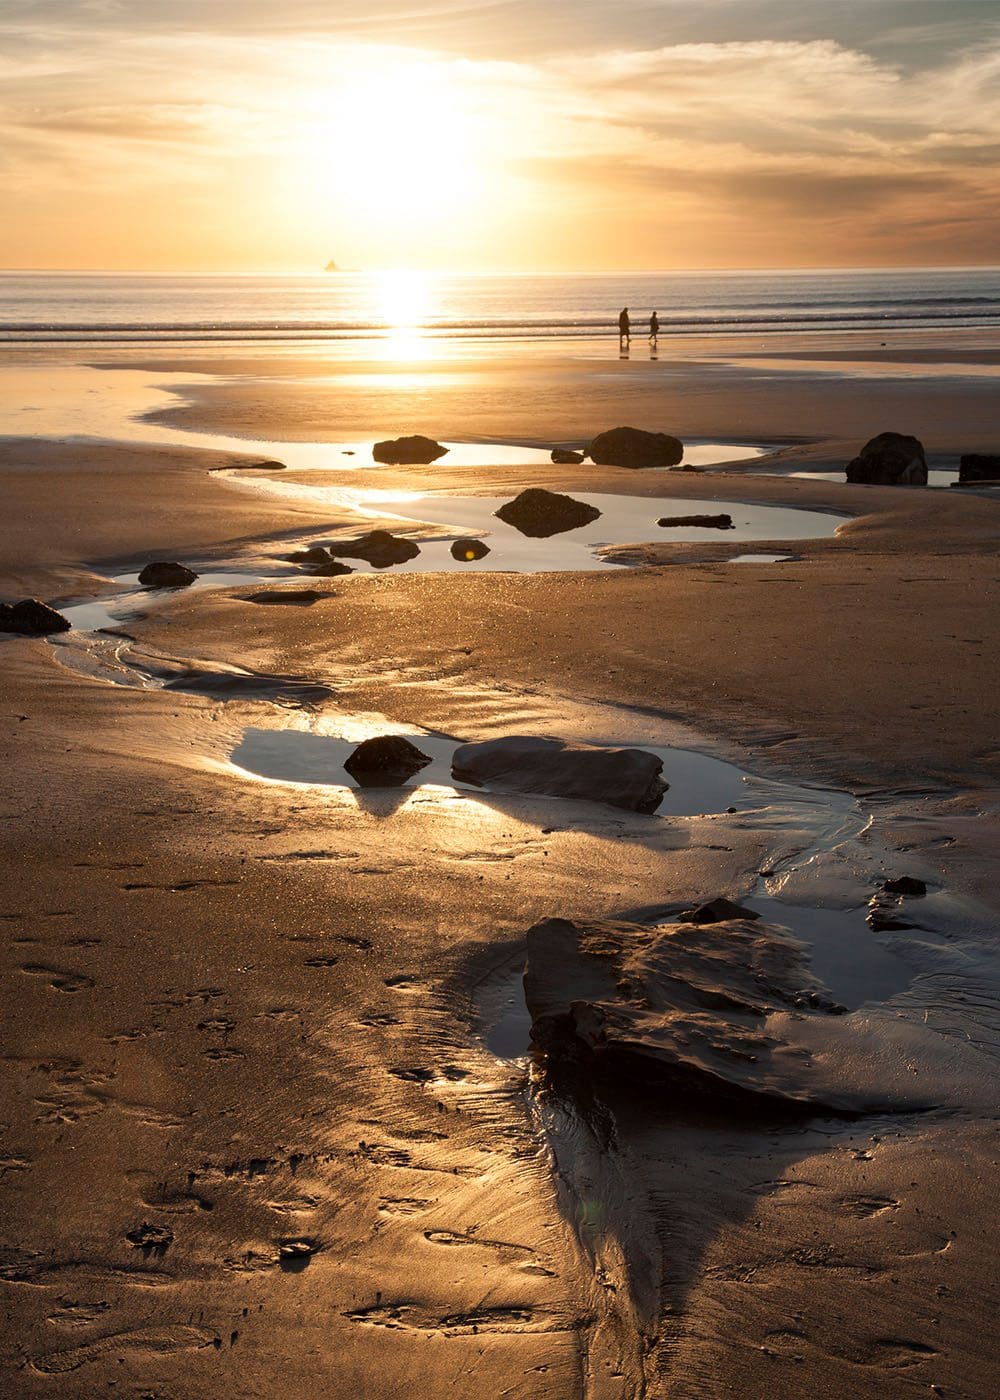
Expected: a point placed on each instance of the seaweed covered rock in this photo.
(415, 450)
(890, 459)
(31, 618)
(538, 513)
(386, 761)
(628, 778)
(634, 447)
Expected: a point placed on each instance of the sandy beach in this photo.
(270, 1122)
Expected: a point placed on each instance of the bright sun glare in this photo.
(398, 142)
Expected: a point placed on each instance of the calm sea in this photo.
(139, 308)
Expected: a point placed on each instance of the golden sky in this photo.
(273, 135)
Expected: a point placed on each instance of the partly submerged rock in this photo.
(312, 554)
(716, 911)
(979, 466)
(164, 573)
(465, 551)
(539, 513)
(378, 547)
(258, 467)
(330, 568)
(386, 761)
(31, 618)
(414, 450)
(565, 457)
(628, 778)
(717, 1011)
(704, 522)
(890, 459)
(634, 447)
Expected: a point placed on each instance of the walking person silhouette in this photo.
(624, 328)
(654, 328)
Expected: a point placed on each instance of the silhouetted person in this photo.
(624, 328)
(654, 328)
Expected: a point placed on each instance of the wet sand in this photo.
(252, 1014)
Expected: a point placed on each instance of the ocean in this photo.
(140, 308)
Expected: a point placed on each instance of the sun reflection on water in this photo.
(404, 302)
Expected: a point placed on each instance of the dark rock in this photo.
(716, 911)
(704, 522)
(387, 761)
(564, 457)
(467, 550)
(713, 1013)
(906, 885)
(633, 447)
(379, 548)
(312, 554)
(294, 597)
(891, 459)
(30, 618)
(165, 574)
(330, 568)
(415, 450)
(294, 1255)
(539, 513)
(258, 467)
(979, 466)
(628, 778)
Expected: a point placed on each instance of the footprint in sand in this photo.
(58, 978)
(154, 1341)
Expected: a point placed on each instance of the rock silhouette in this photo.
(704, 522)
(415, 450)
(634, 447)
(31, 618)
(890, 459)
(465, 551)
(538, 513)
(979, 466)
(379, 548)
(386, 761)
(163, 573)
(628, 778)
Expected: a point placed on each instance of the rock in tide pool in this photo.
(31, 618)
(720, 1011)
(386, 761)
(312, 554)
(716, 911)
(538, 513)
(704, 522)
(379, 548)
(979, 466)
(163, 573)
(628, 778)
(465, 551)
(890, 459)
(416, 450)
(634, 447)
(565, 457)
(330, 568)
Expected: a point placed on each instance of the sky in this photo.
(509, 135)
